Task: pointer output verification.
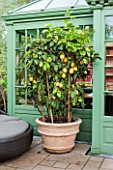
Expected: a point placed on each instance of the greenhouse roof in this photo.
(49, 5)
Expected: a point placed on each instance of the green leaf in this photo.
(51, 44)
(40, 64)
(87, 49)
(72, 94)
(88, 54)
(48, 25)
(34, 86)
(49, 59)
(55, 91)
(83, 53)
(36, 61)
(61, 47)
(39, 86)
(47, 65)
(59, 93)
(80, 99)
(45, 31)
(44, 67)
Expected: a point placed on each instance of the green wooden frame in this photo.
(100, 121)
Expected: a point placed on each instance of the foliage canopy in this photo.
(58, 65)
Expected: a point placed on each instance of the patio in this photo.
(38, 159)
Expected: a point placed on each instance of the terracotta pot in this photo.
(58, 138)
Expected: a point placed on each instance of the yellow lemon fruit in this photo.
(72, 64)
(85, 72)
(54, 97)
(63, 75)
(81, 62)
(76, 91)
(57, 83)
(62, 56)
(34, 81)
(71, 71)
(74, 103)
(65, 60)
(60, 85)
(31, 78)
(65, 70)
(75, 68)
(73, 86)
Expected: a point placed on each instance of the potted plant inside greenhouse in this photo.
(57, 63)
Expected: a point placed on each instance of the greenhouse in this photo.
(27, 22)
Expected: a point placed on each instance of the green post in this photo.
(97, 85)
(10, 68)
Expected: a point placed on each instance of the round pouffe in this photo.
(15, 139)
(58, 137)
(6, 118)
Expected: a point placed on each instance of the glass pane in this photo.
(109, 79)
(61, 4)
(109, 27)
(29, 99)
(31, 34)
(20, 38)
(20, 76)
(20, 96)
(109, 66)
(89, 89)
(108, 104)
(19, 55)
(89, 77)
(39, 5)
(90, 30)
(20, 71)
(109, 53)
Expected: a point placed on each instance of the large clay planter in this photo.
(58, 138)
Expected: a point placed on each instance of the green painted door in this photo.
(107, 118)
(102, 138)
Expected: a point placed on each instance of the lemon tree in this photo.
(55, 61)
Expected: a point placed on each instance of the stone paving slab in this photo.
(39, 159)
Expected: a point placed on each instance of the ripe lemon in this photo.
(60, 85)
(62, 56)
(73, 86)
(65, 60)
(57, 83)
(72, 64)
(76, 91)
(54, 97)
(81, 62)
(65, 70)
(63, 75)
(71, 71)
(74, 103)
(34, 81)
(85, 72)
(31, 78)
(75, 68)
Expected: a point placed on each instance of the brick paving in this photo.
(38, 159)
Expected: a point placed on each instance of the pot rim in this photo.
(38, 121)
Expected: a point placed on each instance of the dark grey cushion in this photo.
(11, 129)
(5, 118)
